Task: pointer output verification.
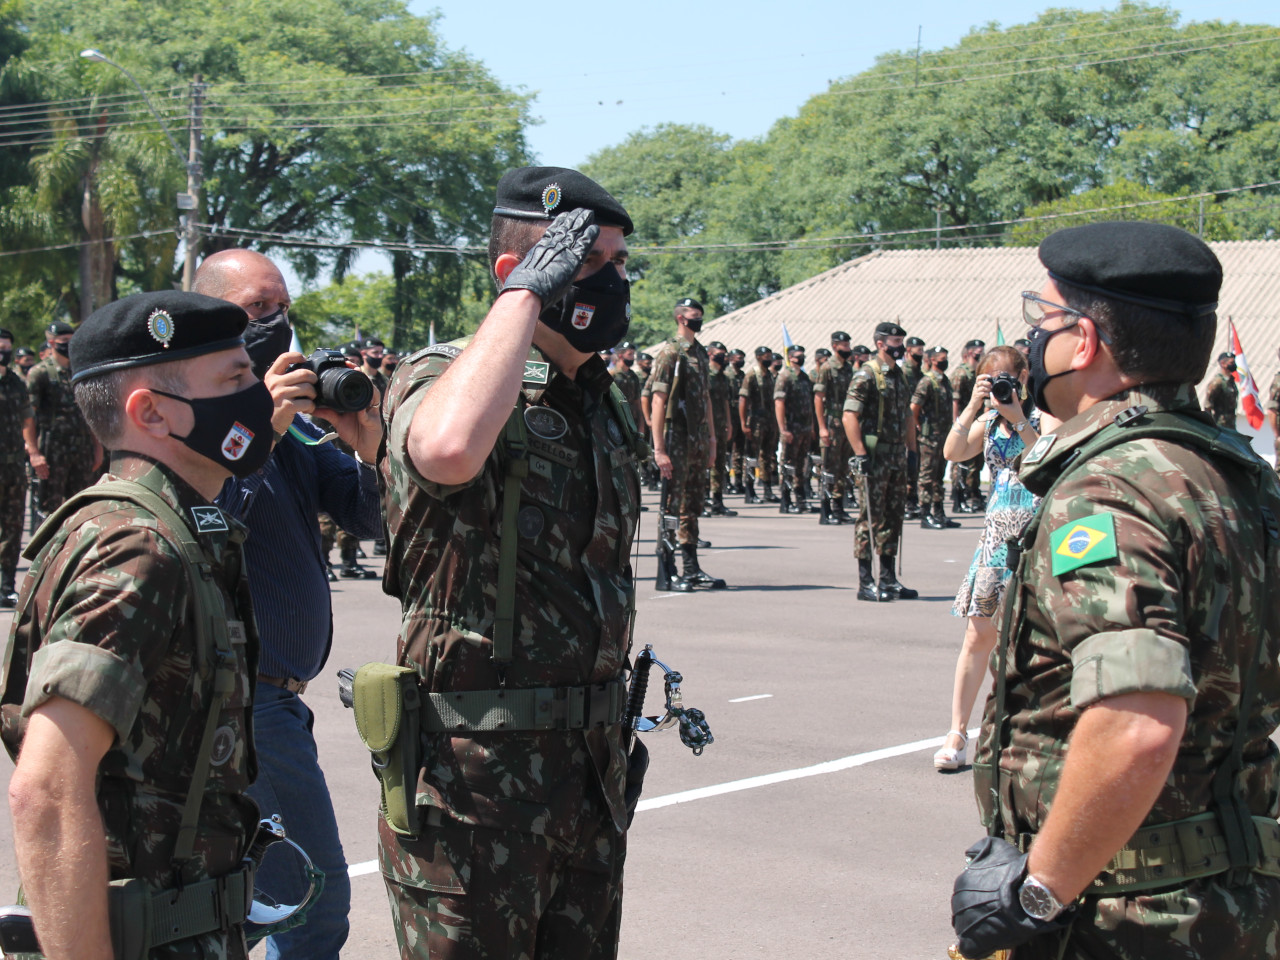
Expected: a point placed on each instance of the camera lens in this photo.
(344, 390)
(1002, 388)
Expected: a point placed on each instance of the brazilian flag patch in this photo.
(1082, 542)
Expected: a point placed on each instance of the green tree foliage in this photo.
(332, 120)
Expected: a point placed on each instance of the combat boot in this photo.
(957, 500)
(941, 517)
(929, 521)
(837, 512)
(784, 502)
(824, 513)
(718, 509)
(668, 579)
(351, 568)
(889, 585)
(380, 547)
(8, 595)
(693, 574)
(751, 491)
(866, 582)
(769, 495)
(912, 510)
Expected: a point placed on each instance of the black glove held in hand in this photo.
(549, 268)
(985, 911)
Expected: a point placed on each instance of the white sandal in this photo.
(949, 759)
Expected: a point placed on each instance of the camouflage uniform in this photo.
(966, 477)
(117, 589)
(64, 437)
(913, 372)
(1221, 398)
(738, 439)
(628, 382)
(1172, 603)
(724, 410)
(832, 384)
(878, 394)
(688, 438)
(15, 409)
(795, 390)
(757, 387)
(524, 838)
(1273, 404)
(933, 396)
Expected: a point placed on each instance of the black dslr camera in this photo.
(338, 387)
(1005, 387)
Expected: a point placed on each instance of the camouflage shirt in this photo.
(795, 390)
(962, 381)
(878, 394)
(58, 419)
(913, 372)
(687, 413)
(15, 409)
(757, 387)
(832, 384)
(933, 396)
(1176, 598)
(111, 627)
(574, 594)
(724, 406)
(1220, 399)
(628, 382)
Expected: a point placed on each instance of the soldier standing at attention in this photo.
(624, 375)
(1273, 415)
(755, 413)
(1125, 768)
(24, 358)
(521, 831)
(737, 360)
(372, 350)
(684, 444)
(722, 393)
(861, 355)
(877, 412)
(793, 411)
(913, 369)
(1223, 394)
(69, 454)
(16, 417)
(830, 388)
(820, 358)
(930, 421)
(966, 478)
(127, 682)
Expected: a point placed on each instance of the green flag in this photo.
(999, 335)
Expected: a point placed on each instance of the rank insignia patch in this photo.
(551, 197)
(536, 372)
(1082, 542)
(160, 326)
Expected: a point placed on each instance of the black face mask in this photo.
(5, 357)
(1231, 368)
(1040, 377)
(62, 348)
(897, 352)
(798, 359)
(942, 365)
(718, 359)
(629, 363)
(694, 325)
(738, 363)
(388, 367)
(844, 354)
(234, 431)
(917, 357)
(265, 339)
(596, 312)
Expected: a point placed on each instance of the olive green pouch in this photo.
(129, 907)
(387, 706)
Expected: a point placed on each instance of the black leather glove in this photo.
(859, 464)
(637, 764)
(549, 267)
(985, 911)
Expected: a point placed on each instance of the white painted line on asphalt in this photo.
(668, 596)
(750, 783)
(758, 696)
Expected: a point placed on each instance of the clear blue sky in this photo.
(602, 71)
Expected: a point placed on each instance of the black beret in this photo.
(794, 348)
(59, 329)
(888, 329)
(643, 356)
(822, 352)
(542, 193)
(1022, 342)
(368, 342)
(24, 352)
(975, 344)
(761, 351)
(689, 302)
(1226, 355)
(840, 337)
(1149, 264)
(6, 334)
(717, 345)
(862, 349)
(624, 345)
(737, 353)
(914, 342)
(149, 328)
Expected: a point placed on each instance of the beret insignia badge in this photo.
(160, 326)
(551, 197)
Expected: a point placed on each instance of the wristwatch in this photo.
(1020, 426)
(1037, 900)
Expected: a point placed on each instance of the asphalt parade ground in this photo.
(815, 825)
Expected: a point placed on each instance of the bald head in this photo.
(245, 278)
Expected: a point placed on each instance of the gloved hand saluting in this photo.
(547, 270)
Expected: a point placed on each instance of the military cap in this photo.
(822, 352)
(689, 302)
(934, 351)
(716, 344)
(888, 329)
(59, 329)
(541, 193)
(862, 349)
(794, 348)
(624, 345)
(840, 337)
(761, 351)
(737, 353)
(149, 328)
(1224, 355)
(643, 356)
(1149, 264)
(24, 352)
(913, 342)
(974, 344)
(1022, 342)
(368, 342)
(351, 349)
(6, 334)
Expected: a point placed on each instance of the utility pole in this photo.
(190, 201)
(937, 227)
(1200, 223)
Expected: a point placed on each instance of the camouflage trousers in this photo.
(70, 471)
(763, 445)
(886, 489)
(1204, 920)
(330, 532)
(687, 488)
(835, 458)
(460, 892)
(795, 458)
(738, 448)
(720, 467)
(933, 465)
(966, 479)
(13, 508)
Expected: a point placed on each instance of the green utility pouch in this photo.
(129, 907)
(387, 707)
(870, 441)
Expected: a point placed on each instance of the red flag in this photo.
(1244, 379)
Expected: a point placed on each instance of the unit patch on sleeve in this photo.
(1082, 542)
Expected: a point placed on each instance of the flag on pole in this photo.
(786, 336)
(359, 338)
(431, 334)
(1244, 379)
(999, 335)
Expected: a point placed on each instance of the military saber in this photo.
(694, 731)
